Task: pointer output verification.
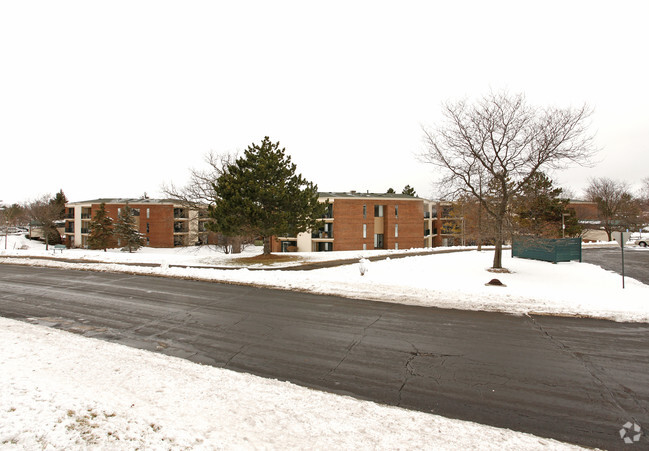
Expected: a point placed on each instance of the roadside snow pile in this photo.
(62, 391)
(453, 280)
(21, 247)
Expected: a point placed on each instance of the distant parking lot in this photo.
(12, 230)
(636, 261)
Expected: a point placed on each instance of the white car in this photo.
(642, 242)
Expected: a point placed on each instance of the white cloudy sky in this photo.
(106, 99)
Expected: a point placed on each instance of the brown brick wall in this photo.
(160, 220)
(348, 223)
(584, 210)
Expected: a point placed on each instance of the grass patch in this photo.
(267, 259)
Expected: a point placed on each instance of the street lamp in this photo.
(563, 224)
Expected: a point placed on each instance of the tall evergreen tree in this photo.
(101, 229)
(539, 209)
(59, 201)
(260, 194)
(126, 230)
(409, 190)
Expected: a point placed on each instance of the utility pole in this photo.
(621, 238)
(4, 212)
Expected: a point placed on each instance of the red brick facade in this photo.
(163, 223)
(401, 224)
(365, 222)
(155, 222)
(584, 210)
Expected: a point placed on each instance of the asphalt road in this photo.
(636, 261)
(576, 380)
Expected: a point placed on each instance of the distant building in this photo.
(354, 221)
(364, 221)
(162, 222)
(587, 214)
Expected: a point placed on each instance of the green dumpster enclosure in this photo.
(547, 249)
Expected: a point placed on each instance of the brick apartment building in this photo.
(364, 221)
(355, 221)
(162, 222)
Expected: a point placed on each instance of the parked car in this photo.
(642, 242)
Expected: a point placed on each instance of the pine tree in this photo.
(539, 210)
(101, 229)
(126, 230)
(409, 190)
(260, 195)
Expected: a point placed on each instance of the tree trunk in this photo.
(479, 227)
(236, 245)
(267, 245)
(498, 252)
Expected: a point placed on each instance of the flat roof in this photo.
(123, 200)
(357, 195)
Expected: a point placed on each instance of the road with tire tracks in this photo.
(636, 261)
(573, 379)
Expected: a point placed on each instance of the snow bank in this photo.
(453, 280)
(62, 391)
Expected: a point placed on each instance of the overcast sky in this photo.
(111, 99)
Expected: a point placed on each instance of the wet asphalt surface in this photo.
(636, 261)
(573, 379)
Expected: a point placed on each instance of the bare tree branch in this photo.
(491, 149)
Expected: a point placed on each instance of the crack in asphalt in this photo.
(597, 374)
(248, 345)
(351, 346)
(410, 370)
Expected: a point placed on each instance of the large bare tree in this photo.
(491, 148)
(199, 189)
(198, 193)
(44, 212)
(618, 210)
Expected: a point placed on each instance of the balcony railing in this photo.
(329, 213)
(180, 228)
(180, 213)
(322, 234)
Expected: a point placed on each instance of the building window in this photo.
(396, 211)
(364, 211)
(364, 246)
(364, 230)
(378, 211)
(330, 212)
(148, 213)
(396, 230)
(378, 241)
(396, 246)
(147, 228)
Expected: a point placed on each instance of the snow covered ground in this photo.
(61, 391)
(450, 280)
